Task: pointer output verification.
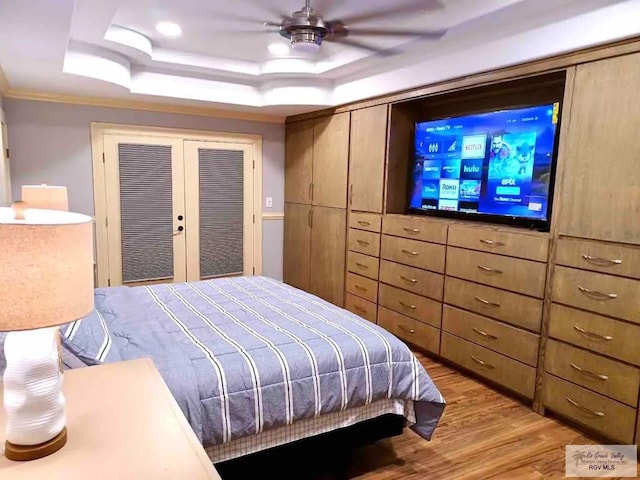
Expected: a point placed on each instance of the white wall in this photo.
(51, 142)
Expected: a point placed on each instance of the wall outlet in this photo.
(269, 202)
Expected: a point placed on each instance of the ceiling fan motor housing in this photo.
(305, 31)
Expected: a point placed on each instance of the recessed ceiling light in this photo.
(278, 48)
(169, 29)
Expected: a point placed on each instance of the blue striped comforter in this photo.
(249, 354)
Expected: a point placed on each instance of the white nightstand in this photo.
(123, 423)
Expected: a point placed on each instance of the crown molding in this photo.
(137, 105)
(4, 83)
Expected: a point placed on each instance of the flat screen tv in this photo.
(497, 166)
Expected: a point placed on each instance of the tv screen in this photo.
(496, 166)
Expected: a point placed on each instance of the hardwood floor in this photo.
(482, 435)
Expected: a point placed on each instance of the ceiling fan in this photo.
(307, 30)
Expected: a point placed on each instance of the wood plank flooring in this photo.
(482, 435)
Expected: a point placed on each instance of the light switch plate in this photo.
(269, 202)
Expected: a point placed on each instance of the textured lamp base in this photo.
(23, 453)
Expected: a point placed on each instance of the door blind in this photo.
(221, 212)
(146, 206)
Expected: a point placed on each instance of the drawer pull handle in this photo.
(585, 409)
(409, 252)
(362, 265)
(407, 279)
(487, 302)
(492, 243)
(484, 364)
(410, 330)
(606, 338)
(362, 289)
(485, 334)
(364, 243)
(411, 230)
(406, 305)
(587, 373)
(359, 309)
(490, 270)
(364, 223)
(597, 294)
(603, 262)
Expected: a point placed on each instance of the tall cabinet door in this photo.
(298, 162)
(297, 245)
(331, 161)
(603, 132)
(144, 179)
(328, 240)
(366, 162)
(219, 209)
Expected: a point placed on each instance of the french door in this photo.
(177, 209)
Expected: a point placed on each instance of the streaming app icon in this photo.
(474, 146)
(451, 168)
(471, 168)
(470, 189)
(449, 188)
(430, 189)
(431, 169)
(448, 205)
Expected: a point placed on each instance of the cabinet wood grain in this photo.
(364, 242)
(601, 191)
(611, 258)
(427, 284)
(298, 162)
(518, 310)
(410, 330)
(608, 377)
(517, 275)
(429, 256)
(597, 333)
(367, 159)
(331, 161)
(361, 307)
(510, 341)
(529, 246)
(365, 221)
(597, 292)
(363, 265)
(509, 373)
(607, 417)
(409, 304)
(328, 232)
(297, 245)
(362, 287)
(416, 228)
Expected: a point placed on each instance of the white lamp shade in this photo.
(49, 197)
(46, 268)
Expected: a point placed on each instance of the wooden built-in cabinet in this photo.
(367, 158)
(601, 190)
(553, 317)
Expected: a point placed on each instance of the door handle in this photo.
(178, 231)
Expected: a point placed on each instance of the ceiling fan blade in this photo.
(397, 33)
(364, 46)
(413, 7)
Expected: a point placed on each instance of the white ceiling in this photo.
(110, 48)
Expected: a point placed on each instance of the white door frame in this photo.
(98, 130)
(5, 169)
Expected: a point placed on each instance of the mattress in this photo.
(250, 355)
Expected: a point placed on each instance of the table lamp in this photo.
(49, 197)
(46, 280)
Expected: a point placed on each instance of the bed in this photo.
(254, 363)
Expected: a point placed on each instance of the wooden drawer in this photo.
(517, 275)
(414, 253)
(511, 374)
(365, 221)
(362, 307)
(608, 417)
(362, 287)
(486, 239)
(414, 306)
(600, 334)
(363, 264)
(510, 341)
(521, 311)
(416, 228)
(599, 257)
(364, 242)
(410, 330)
(608, 377)
(418, 281)
(613, 296)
